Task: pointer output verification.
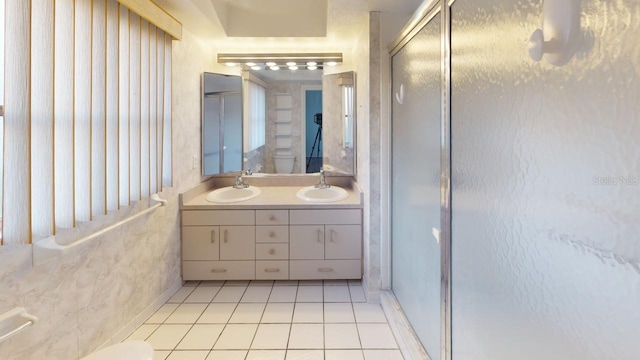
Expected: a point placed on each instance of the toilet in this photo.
(128, 350)
(284, 163)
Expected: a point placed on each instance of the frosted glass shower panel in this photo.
(545, 170)
(416, 183)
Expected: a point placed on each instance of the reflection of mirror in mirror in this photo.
(339, 117)
(221, 123)
(310, 122)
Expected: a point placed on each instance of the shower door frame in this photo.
(427, 11)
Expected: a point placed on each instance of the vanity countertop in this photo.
(273, 196)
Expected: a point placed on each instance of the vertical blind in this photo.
(87, 125)
(255, 128)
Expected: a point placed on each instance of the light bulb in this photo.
(275, 67)
(332, 63)
(291, 63)
(293, 67)
(256, 67)
(270, 63)
(312, 67)
(230, 64)
(312, 63)
(251, 64)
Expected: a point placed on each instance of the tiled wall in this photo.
(85, 297)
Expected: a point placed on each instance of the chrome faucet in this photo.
(323, 183)
(239, 184)
(248, 172)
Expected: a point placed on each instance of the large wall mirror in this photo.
(309, 122)
(221, 123)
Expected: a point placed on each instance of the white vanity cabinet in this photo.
(325, 244)
(271, 244)
(218, 244)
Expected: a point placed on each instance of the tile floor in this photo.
(267, 320)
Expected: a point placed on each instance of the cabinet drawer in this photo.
(218, 217)
(272, 270)
(324, 269)
(272, 234)
(333, 216)
(306, 242)
(272, 251)
(218, 270)
(272, 217)
(343, 242)
(200, 243)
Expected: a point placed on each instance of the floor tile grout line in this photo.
(290, 323)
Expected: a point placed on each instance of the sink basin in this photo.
(229, 194)
(327, 195)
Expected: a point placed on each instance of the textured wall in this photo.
(362, 57)
(85, 297)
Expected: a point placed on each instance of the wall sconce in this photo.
(291, 61)
(560, 26)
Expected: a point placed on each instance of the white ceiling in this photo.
(208, 19)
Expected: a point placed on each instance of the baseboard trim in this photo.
(407, 339)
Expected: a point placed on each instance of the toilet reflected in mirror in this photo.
(284, 163)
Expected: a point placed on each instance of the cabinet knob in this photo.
(272, 217)
(226, 236)
(213, 236)
(319, 235)
(332, 234)
(272, 270)
(325, 270)
(218, 270)
(272, 234)
(272, 251)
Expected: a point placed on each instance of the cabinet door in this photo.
(343, 242)
(306, 242)
(237, 243)
(201, 243)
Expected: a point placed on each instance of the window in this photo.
(254, 131)
(87, 121)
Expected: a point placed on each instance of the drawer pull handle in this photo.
(272, 217)
(325, 270)
(319, 235)
(213, 236)
(226, 236)
(272, 234)
(272, 251)
(271, 270)
(332, 233)
(218, 270)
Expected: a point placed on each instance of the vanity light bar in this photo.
(283, 59)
